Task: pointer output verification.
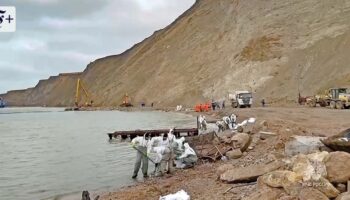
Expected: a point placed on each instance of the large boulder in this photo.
(338, 167)
(291, 183)
(324, 186)
(288, 197)
(344, 196)
(234, 154)
(317, 161)
(263, 125)
(293, 188)
(318, 156)
(266, 194)
(303, 145)
(241, 141)
(260, 184)
(288, 180)
(302, 167)
(265, 135)
(310, 167)
(223, 168)
(226, 136)
(339, 142)
(279, 178)
(226, 133)
(320, 170)
(250, 173)
(310, 193)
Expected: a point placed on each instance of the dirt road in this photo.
(314, 121)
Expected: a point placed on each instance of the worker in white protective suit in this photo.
(228, 123)
(202, 123)
(178, 146)
(233, 118)
(188, 158)
(140, 144)
(176, 149)
(221, 125)
(178, 107)
(161, 147)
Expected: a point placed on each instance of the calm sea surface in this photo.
(46, 153)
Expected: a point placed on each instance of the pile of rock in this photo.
(239, 143)
(320, 175)
(228, 143)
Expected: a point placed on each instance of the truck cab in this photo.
(241, 99)
(340, 98)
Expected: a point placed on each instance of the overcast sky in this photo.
(55, 36)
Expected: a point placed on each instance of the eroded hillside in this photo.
(274, 48)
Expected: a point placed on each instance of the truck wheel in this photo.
(332, 104)
(323, 103)
(339, 105)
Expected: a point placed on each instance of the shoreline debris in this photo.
(180, 195)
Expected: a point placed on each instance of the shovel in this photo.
(144, 154)
(223, 158)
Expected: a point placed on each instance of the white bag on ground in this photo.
(180, 195)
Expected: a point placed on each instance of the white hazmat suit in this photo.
(188, 158)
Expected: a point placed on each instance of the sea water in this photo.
(46, 153)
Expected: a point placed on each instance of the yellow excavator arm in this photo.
(77, 93)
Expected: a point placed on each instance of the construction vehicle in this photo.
(335, 98)
(88, 100)
(322, 100)
(340, 98)
(205, 107)
(126, 101)
(241, 99)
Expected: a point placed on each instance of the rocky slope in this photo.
(274, 48)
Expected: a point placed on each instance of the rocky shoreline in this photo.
(265, 157)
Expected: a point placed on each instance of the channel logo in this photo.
(7, 19)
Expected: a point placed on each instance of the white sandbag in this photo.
(180, 195)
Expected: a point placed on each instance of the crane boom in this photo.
(85, 91)
(77, 93)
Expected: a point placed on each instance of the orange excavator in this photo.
(126, 101)
(88, 100)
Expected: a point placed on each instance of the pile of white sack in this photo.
(180, 195)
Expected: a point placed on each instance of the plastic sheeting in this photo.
(180, 195)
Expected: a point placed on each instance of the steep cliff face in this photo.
(55, 91)
(275, 48)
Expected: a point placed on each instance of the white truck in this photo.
(241, 99)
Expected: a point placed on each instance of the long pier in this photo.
(153, 133)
